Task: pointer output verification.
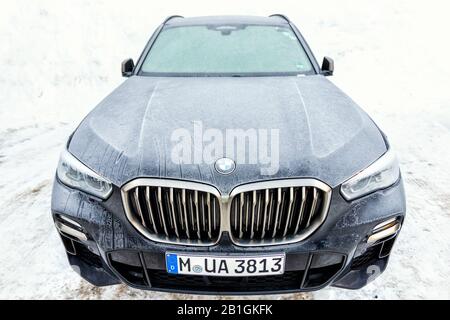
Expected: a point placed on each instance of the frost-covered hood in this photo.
(323, 133)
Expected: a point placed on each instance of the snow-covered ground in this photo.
(59, 58)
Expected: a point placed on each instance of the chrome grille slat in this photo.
(185, 214)
(241, 217)
(202, 204)
(313, 207)
(266, 201)
(258, 211)
(289, 211)
(302, 209)
(214, 213)
(192, 211)
(208, 205)
(149, 208)
(172, 212)
(138, 206)
(247, 212)
(179, 209)
(279, 194)
(197, 216)
(252, 216)
(283, 206)
(270, 213)
(161, 212)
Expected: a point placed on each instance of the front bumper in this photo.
(336, 254)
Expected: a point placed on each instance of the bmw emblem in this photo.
(225, 166)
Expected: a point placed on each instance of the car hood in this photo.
(322, 133)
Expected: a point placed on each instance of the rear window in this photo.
(226, 50)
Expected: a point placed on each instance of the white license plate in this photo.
(227, 266)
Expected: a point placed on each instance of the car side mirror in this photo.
(327, 66)
(127, 67)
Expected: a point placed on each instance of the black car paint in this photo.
(124, 136)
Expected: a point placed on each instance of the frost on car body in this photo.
(328, 214)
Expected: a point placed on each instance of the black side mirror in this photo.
(127, 67)
(327, 66)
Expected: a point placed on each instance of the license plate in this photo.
(227, 266)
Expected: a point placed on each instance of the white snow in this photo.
(59, 58)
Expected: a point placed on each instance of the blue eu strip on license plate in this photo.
(172, 263)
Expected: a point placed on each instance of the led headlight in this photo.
(74, 174)
(379, 175)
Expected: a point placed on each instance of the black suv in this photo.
(228, 163)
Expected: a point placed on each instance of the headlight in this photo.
(379, 175)
(74, 174)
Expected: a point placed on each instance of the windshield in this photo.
(235, 50)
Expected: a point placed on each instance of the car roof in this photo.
(180, 21)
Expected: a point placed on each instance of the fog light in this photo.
(384, 230)
(69, 227)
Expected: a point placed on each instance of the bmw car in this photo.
(139, 198)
